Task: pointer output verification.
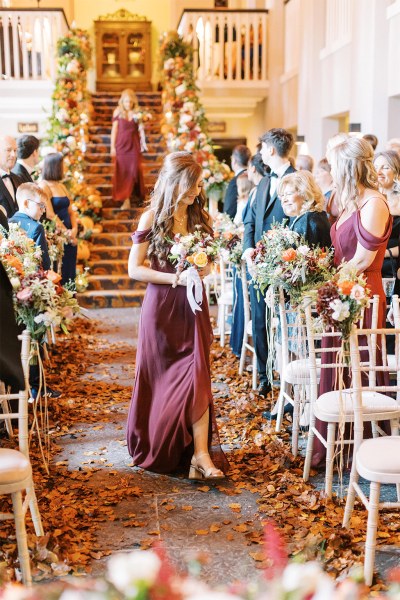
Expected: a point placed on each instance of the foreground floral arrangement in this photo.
(148, 575)
(40, 301)
(230, 239)
(185, 124)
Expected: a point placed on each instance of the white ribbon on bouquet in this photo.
(194, 289)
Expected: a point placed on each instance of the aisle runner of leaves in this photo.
(73, 510)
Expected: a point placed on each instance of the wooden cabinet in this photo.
(123, 52)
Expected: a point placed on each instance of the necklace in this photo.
(180, 221)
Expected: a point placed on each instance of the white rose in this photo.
(340, 310)
(357, 293)
(304, 579)
(126, 570)
(206, 173)
(15, 282)
(177, 249)
(304, 250)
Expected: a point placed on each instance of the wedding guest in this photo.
(255, 172)
(267, 208)
(59, 205)
(304, 162)
(31, 206)
(244, 187)
(303, 202)
(171, 420)
(28, 157)
(332, 207)
(9, 182)
(387, 165)
(394, 144)
(323, 178)
(372, 139)
(359, 236)
(127, 144)
(239, 161)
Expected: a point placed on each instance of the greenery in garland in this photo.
(185, 125)
(71, 107)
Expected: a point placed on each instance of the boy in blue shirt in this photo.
(31, 206)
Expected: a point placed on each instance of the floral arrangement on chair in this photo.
(341, 301)
(56, 239)
(229, 238)
(39, 300)
(185, 124)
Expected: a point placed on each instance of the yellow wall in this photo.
(156, 11)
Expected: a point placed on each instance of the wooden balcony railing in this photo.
(229, 45)
(28, 42)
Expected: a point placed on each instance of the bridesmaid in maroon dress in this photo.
(359, 236)
(171, 420)
(127, 144)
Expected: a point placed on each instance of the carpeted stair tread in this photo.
(111, 298)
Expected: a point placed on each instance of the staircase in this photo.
(109, 284)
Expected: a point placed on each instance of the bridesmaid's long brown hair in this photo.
(177, 178)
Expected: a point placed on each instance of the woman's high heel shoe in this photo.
(198, 472)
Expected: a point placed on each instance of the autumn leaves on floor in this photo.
(94, 503)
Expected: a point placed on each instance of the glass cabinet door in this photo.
(135, 54)
(111, 59)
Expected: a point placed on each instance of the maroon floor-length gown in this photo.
(128, 176)
(344, 239)
(172, 388)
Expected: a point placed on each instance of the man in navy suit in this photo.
(28, 157)
(266, 209)
(9, 182)
(240, 158)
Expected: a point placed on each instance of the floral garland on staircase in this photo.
(68, 130)
(184, 124)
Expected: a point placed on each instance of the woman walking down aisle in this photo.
(171, 419)
(127, 144)
(360, 234)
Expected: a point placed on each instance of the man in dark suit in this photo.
(28, 157)
(266, 209)
(9, 182)
(240, 157)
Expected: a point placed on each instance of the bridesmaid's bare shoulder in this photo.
(146, 220)
(116, 113)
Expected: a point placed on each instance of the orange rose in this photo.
(200, 259)
(289, 255)
(345, 287)
(53, 276)
(190, 259)
(323, 255)
(15, 263)
(227, 235)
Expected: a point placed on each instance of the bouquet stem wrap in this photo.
(194, 289)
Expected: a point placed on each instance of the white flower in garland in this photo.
(340, 310)
(62, 115)
(133, 570)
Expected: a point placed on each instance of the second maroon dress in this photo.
(128, 176)
(172, 388)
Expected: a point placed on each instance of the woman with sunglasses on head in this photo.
(171, 420)
(59, 205)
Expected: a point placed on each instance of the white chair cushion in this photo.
(298, 371)
(329, 407)
(378, 459)
(14, 466)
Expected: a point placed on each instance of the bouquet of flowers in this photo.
(56, 238)
(341, 300)
(142, 116)
(216, 174)
(193, 252)
(300, 269)
(229, 238)
(275, 245)
(19, 254)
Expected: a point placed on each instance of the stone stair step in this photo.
(111, 225)
(109, 252)
(109, 267)
(111, 298)
(114, 282)
(115, 238)
(116, 214)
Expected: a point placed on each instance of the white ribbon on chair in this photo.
(194, 289)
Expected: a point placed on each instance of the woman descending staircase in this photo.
(109, 284)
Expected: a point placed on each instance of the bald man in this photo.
(9, 182)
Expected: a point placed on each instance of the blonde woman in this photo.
(171, 420)
(127, 144)
(303, 201)
(360, 234)
(387, 165)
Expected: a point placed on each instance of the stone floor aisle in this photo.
(189, 518)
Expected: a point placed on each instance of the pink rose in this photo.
(24, 295)
(357, 292)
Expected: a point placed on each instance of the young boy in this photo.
(31, 205)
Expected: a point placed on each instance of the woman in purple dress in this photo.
(359, 236)
(171, 419)
(127, 144)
